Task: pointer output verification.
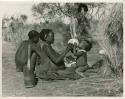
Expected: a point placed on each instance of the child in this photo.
(81, 54)
(83, 24)
(24, 58)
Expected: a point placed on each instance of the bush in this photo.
(110, 32)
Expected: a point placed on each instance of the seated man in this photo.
(24, 58)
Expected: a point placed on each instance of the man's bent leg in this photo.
(29, 76)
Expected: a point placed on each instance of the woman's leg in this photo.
(69, 73)
(60, 66)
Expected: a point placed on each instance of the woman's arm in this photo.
(37, 49)
(51, 54)
(78, 54)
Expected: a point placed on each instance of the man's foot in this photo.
(29, 84)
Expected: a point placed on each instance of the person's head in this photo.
(47, 35)
(33, 36)
(82, 8)
(85, 45)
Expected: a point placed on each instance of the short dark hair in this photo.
(81, 5)
(44, 33)
(33, 34)
(87, 45)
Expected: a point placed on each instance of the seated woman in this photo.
(51, 61)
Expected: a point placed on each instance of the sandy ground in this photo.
(93, 85)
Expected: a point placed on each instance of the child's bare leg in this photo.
(81, 70)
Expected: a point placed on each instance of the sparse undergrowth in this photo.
(92, 85)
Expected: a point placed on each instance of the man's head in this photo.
(33, 36)
(82, 8)
(47, 35)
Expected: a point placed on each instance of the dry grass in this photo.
(92, 85)
(109, 31)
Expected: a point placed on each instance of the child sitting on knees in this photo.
(81, 54)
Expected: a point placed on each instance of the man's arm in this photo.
(37, 49)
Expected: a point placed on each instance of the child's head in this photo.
(33, 36)
(85, 45)
(82, 8)
(47, 35)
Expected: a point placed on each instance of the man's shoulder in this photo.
(25, 41)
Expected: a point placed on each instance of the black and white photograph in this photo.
(62, 49)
